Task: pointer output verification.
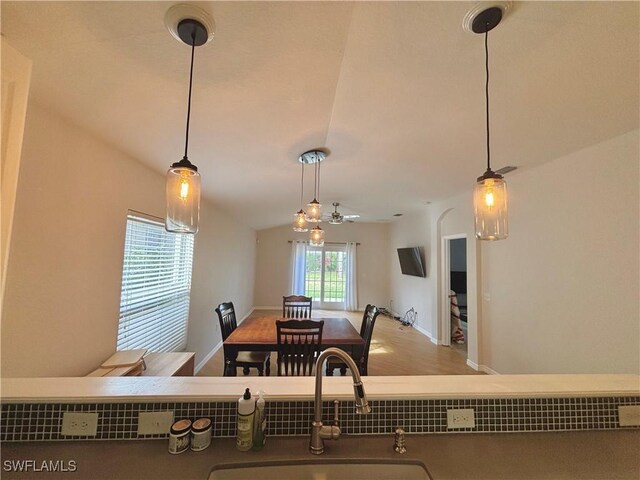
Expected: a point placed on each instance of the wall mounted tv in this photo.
(411, 261)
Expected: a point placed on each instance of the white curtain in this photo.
(351, 293)
(298, 268)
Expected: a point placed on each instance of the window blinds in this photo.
(156, 283)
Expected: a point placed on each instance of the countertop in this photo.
(558, 455)
(210, 389)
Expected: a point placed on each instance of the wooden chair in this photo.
(366, 332)
(246, 360)
(296, 306)
(298, 346)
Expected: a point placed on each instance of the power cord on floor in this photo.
(409, 318)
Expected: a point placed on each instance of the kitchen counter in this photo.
(560, 455)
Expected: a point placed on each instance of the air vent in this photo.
(505, 170)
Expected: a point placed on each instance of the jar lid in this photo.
(201, 425)
(181, 426)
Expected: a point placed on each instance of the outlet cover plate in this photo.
(154, 423)
(461, 418)
(629, 415)
(79, 424)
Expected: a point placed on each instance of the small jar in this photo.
(200, 434)
(179, 436)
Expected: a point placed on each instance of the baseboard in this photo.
(473, 365)
(490, 371)
(218, 346)
(426, 334)
(208, 357)
(481, 368)
(279, 307)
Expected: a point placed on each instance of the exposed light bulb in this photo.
(184, 188)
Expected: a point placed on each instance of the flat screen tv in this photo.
(411, 262)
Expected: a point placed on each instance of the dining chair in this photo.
(260, 360)
(366, 332)
(296, 306)
(298, 346)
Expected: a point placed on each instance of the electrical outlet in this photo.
(150, 423)
(461, 418)
(82, 424)
(629, 415)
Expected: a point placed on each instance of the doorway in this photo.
(325, 278)
(454, 301)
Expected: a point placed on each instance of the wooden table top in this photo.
(262, 331)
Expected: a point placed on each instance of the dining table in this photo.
(258, 334)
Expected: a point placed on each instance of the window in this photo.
(325, 278)
(156, 284)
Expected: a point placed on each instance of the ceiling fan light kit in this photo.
(490, 191)
(194, 27)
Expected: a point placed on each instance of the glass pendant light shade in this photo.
(314, 211)
(183, 179)
(490, 207)
(183, 198)
(316, 237)
(490, 192)
(300, 222)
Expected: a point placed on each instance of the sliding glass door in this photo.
(325, 279)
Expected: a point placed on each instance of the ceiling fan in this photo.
(336, 218)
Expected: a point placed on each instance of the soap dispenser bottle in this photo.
(246, 410)
(259, 423)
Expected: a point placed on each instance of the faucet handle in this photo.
(399, 444)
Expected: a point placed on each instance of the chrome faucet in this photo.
(319, 432)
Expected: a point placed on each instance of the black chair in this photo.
(246, 360)
(296, 306)
(298, 346)
(366, 332)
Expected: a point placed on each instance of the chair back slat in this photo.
(227, 317)
(296, 306)
(298, 346)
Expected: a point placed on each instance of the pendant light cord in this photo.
(302, 187)
(486, 91)
(193, 49)
(318, 180)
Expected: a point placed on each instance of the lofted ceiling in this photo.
(395, 91)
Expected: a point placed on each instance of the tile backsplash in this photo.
(119, 421)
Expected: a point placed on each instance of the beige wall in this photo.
(408, 291)
(62, 297)
(454, 216)
(561, 293)
(223, 270)
(274, 253)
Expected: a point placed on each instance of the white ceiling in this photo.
(394, 90)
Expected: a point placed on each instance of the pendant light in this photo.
(314, 208)
(316, 236)
(186, 23)
(490, 192)
(299, 218)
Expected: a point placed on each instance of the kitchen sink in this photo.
(330, 469)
